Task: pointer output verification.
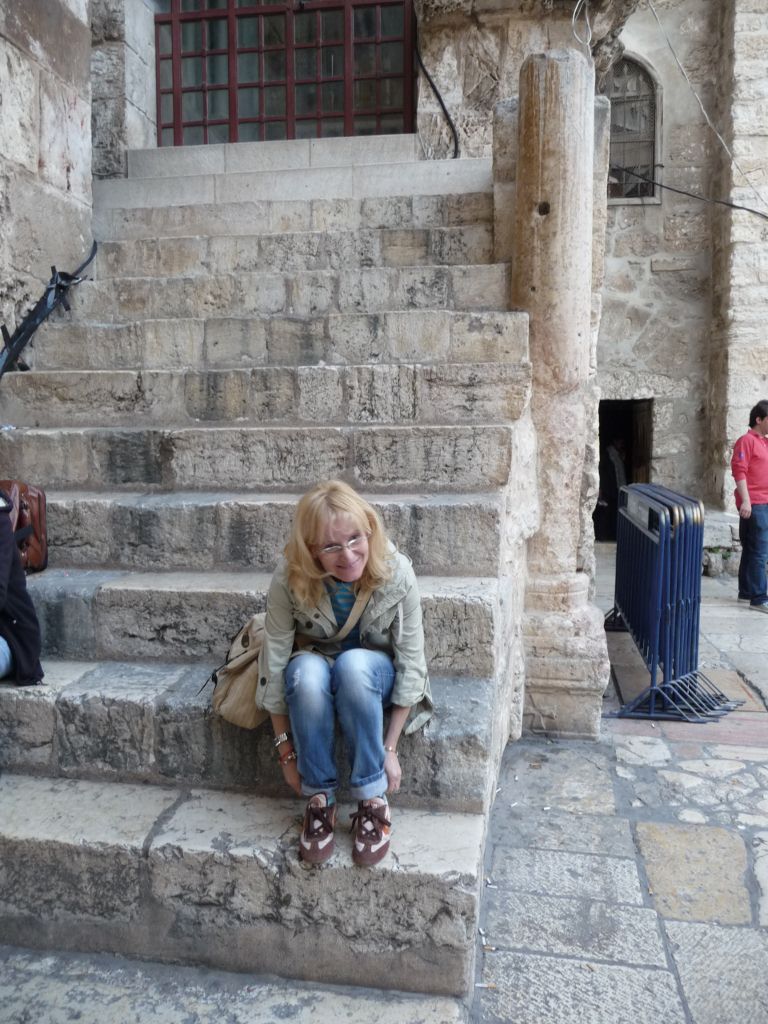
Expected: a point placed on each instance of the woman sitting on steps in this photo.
(343, 640)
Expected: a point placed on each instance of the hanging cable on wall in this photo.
(685, 192)
(582, 6)
(439, 98)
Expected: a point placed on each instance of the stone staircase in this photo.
(261, 317)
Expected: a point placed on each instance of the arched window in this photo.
(631, 91)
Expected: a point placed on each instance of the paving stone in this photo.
(759, 754)
(723, 972)
(556, 873)
(98, 989)
(517, 825)
(567, 777)
(572, 927)
(531, 989)
(760, 854)
(642, 750)
(696, 873)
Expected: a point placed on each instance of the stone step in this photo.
(443, 535)
(365, 181)
(409, 210)
(150, 722)
(117, 614)
(423, 336)
(295, 251)
(307, 293)
(295, 154)
(391, 458)
(308, 395)
(214, 878)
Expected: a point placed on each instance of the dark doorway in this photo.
(625, 456)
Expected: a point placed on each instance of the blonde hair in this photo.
(315, 510)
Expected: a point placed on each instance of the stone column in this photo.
(566, 659)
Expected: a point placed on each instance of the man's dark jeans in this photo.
(753, 534)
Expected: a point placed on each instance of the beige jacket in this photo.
(391, 622)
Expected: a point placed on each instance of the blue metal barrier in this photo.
(657, 598)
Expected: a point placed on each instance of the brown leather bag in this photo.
(28, 522)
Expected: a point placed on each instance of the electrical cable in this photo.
(582, 5)
(435, 90)
(708, 119)
(692, 195)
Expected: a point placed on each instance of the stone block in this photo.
(234, 341)
(19, 113)
(55, 34)
(480, 287)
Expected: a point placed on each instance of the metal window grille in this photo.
(633, 131)
(235, 70)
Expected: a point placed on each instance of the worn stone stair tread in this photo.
(378, 458)
(185, 615)
(418, 177)
(151, 721)
(442, 534)
(335, 339)
(87, 988)
(407, 393)
(213, 877)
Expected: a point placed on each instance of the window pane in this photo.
(166, 74)
(217, 34)
(249, 132)
(193, 136)
(248, 102)
(190, 5)
(392, 92)
(163, 6)
(248, 67)
(275, 130)
(164, 39)
(391, 21)
(392, 58)
(166, 108)
(332, 128)
(392, 125)
(191, 36)
(274, 101)
(247, 31)
(215, 5)
(166, 137)
(365, 95)
(365, 59)
(365, 126)
(218, 133)
(306, 99)
(274, 29)
(333, 97)
(274, 66)
(306, 129)
(192, 71)
(192, 106)
(305, 27)
(365, 23)
(332, 61)
(332, 26)
(217, 70)
(218, 103)
(306, 63)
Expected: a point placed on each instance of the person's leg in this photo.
(744, 540)
(6, 659)
(758, 555)
(311, 710)
(362, 682)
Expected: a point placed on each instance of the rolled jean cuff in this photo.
(370, 789)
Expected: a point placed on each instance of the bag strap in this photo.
(362, 599)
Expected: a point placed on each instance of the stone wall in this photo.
(123, 74)
(654, 335)
(45, 145)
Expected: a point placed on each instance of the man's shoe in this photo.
(744, 597)
(317, 841)
(372, 828)
(760, 607)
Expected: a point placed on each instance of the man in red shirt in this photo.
(749, 466)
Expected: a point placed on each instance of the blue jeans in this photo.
(355, 688)
(753, 534)
(6, 659)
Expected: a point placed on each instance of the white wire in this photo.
(581, 5)
(708, 119)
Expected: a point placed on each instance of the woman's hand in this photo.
(291, 776)
(393, 770)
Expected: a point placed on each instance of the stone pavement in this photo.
(625, 880)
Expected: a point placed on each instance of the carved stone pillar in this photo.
(552, 278)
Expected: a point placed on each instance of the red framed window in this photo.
(234, 70)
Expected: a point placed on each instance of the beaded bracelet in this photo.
(285, 758)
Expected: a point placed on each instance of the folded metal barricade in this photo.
(657, 598)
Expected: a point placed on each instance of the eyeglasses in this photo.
(353, 544)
